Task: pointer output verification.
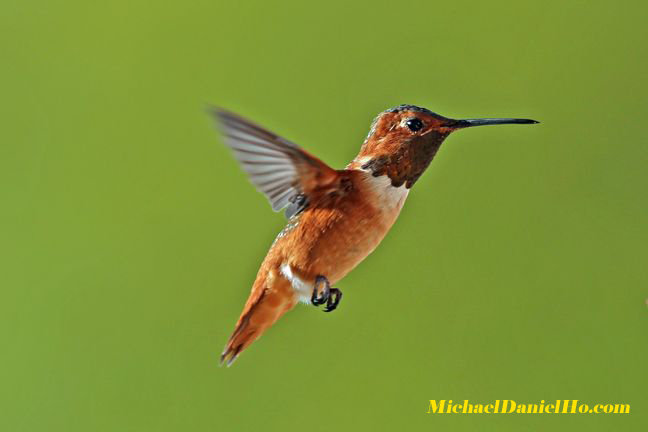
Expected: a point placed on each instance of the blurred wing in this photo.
(283, 172)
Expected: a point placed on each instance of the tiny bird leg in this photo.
(334, 299)
(321, 291)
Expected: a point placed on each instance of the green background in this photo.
(130, 237)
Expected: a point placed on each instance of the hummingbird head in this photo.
(403, 140)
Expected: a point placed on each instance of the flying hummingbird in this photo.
(335, 217)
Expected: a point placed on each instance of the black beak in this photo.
(466, 123)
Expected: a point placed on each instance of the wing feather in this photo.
(278, 168)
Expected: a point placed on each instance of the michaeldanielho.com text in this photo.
(512, 407)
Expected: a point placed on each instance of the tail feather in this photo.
(264, 307)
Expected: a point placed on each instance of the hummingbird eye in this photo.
(414, 124)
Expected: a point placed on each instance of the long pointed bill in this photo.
(466, 123)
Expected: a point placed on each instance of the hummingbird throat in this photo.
(405, 165)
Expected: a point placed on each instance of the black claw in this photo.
(326, 292)
(330, 296)
(333, 300)
(316, 300)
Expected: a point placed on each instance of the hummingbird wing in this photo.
(280, 169)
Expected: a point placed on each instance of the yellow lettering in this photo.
(434, 407)
(467, 405)
(625, 409)
(566, 406)
(513, 404)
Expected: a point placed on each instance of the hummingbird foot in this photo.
(321, 291)
(332, 302)
(324, 293)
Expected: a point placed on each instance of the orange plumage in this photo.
(336, 217)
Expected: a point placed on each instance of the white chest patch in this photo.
(304, 290)
(390, 197)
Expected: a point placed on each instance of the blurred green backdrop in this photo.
(131, 238)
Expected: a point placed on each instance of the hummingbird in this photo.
(336, 218)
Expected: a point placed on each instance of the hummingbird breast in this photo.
(335, 233)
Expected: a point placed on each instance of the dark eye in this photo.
(414, 124)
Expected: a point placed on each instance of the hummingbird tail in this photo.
(264, 307)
